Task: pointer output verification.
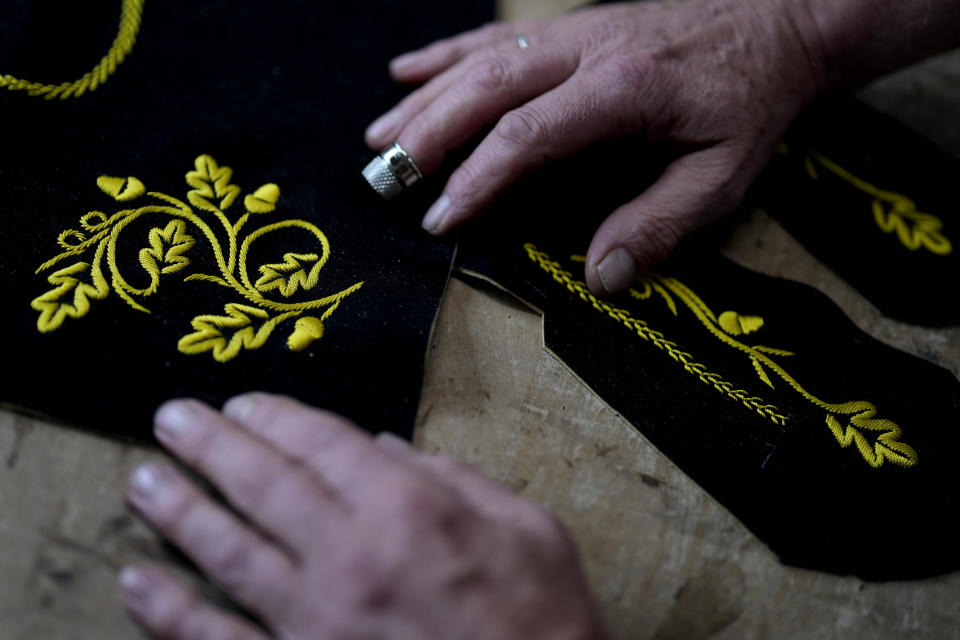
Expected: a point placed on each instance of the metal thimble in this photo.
(391, 172)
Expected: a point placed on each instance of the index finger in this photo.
(255, 478)
(347, 458)
(562, 121)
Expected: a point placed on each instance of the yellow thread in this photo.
(735, 324)
(846, 421)
(306, 330)
(892, 211)
(53, 311)
(209, 337)
(273, 274)
(263, 200)
(126, 37)
(643, 330)
(210, 180)
(121, 189)
(167, 253)
(167, 247)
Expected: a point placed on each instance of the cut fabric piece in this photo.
(835, 450)
(876, 202)
(198, 226)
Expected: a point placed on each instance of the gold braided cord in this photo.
(122, 44)
(643, 330)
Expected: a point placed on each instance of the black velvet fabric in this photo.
(279, 92)
(834, 217)
(700, 400)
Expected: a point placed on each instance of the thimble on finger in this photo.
(392, 171)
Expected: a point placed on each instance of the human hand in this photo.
(719, 80)
(343, 536)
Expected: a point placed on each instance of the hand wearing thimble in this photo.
(719, 80)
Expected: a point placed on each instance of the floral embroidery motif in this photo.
(877, 439)
(892, 211)
(245, 325)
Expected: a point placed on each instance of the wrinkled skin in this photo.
(341, 536)
(717, 79)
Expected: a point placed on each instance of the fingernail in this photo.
(146, 482)
(617, 270)
(240, 407)
(174, 420)
(137, 588)
(435, 215)
(383, 125)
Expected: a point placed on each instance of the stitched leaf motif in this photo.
(893, 212)
(167, 248)
(211, 181)
(847, 421)
(850, 420)
(289, 275)
(226, 335)
(245, 326)
(56, 305)
(914, 228)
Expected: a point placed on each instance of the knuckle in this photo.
(428, 508)
(491, 75)
(253, 483)
(728, 185)
(180, 619)
(626, 76)
(174, 513)
(656, 237)
(469, 182)
(232, 563)
(522, 127)
(368, 579)
(419, 504)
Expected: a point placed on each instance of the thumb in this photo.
(693, 190)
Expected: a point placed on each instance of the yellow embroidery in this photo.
(126, 37)
(272, 277)
(655, 337)
(245, 326)
(877, 440)
(892, 211)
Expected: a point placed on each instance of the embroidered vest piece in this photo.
(835, 450)
(198, 225)
(876, 202)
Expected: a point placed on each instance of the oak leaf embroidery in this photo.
(892, 212)
(249, 322)
(296, 273)
(856, 422)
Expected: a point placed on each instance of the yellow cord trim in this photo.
(892, 211)
(877, 440)
(245, 326)
(126, 37)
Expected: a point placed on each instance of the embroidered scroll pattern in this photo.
(892, 211)
(122, 45)
(93, 271)
(877, 439)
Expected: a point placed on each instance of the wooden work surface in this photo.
(665, 560)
